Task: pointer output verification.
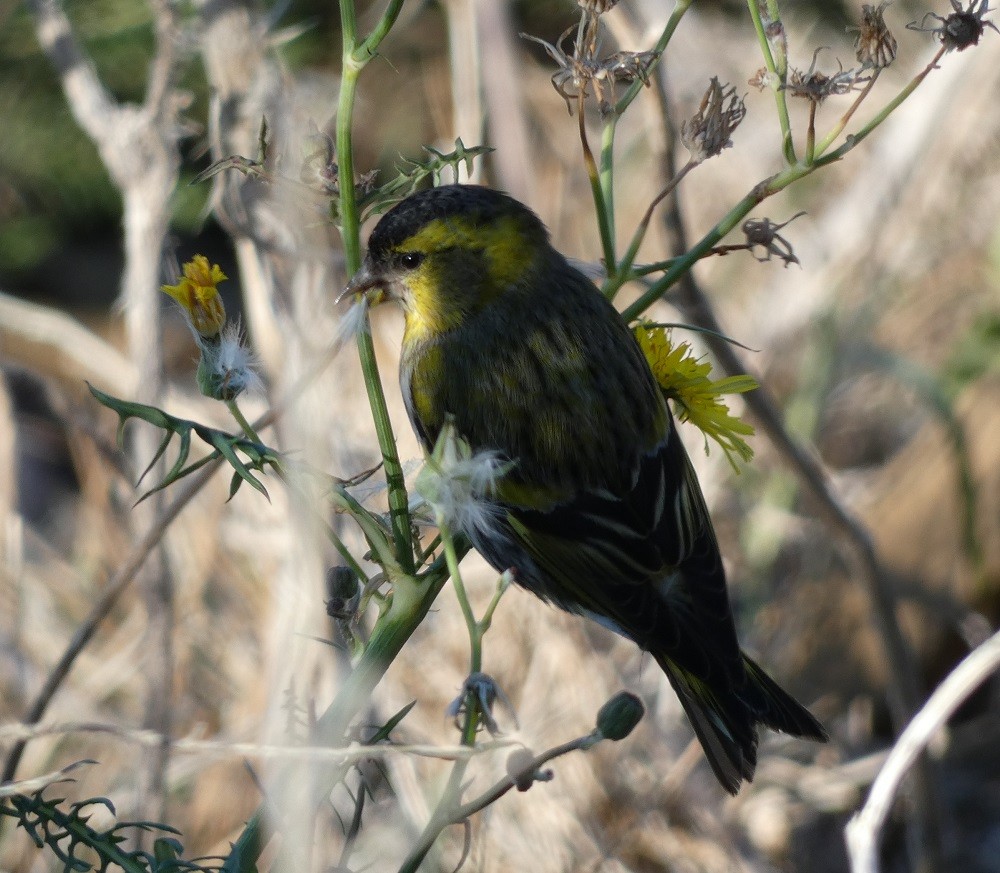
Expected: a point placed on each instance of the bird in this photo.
(599, 511)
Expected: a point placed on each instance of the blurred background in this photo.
(882, 348)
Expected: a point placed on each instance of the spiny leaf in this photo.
(224, 444)
(383, 732)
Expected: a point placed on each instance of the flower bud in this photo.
(198, 295)
(619, 716)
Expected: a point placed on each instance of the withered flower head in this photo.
(962, 28)
(762, 79)
(597, 7)
(483, 690)
(710, 129)
(581, 69)
(816, 86)
(875, 44)
(764, 233)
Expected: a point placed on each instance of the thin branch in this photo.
(91, 104)
(865, 828)
(350, 754)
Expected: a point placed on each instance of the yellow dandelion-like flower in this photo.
(198, 295)
(687, 382)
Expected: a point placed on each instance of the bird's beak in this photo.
(367, 283)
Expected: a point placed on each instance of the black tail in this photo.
(725, 721)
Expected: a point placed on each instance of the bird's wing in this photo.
(645, 562)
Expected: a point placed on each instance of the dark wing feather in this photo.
(646, 561)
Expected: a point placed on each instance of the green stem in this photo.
(680, 8)
(838, 128)
(399, 512)
(606, 179)
(624, 270)
(890, 107)
(373, 531)
(353, 62)
(811, 135)
(603, 178)
(241, 420)
(778, 70)
(427, 552)
(648, 269)
(411, 599)
(602, 206)
(367, 50)
(680, 265)
(503, 583)
(475, 632)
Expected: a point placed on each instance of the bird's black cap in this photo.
(471, 202)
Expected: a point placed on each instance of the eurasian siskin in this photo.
(599, 512)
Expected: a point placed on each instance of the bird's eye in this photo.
(410, 260)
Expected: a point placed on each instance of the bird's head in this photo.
(445, 253)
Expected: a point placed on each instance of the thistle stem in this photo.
(354, 59)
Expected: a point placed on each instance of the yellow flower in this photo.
(687, 382)
(198, 295)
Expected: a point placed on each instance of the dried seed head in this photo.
(764, 233)
(815, 86)
(488, 696)
(875, 45)
(962, 28)
(581, 71)
(710, 129)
